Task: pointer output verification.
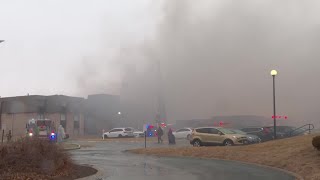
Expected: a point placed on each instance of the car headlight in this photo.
(235, 137)
(250, 137)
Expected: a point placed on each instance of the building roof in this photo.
(38, 104)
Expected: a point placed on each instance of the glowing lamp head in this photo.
(30, 134)
(274, 73)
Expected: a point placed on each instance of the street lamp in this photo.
(120, 118)
(273, 74)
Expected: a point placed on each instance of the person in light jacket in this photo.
(61, 134)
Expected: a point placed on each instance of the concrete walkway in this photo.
(115, 164)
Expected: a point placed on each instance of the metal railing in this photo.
(302, 129)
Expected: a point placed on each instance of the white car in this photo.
(118, 132)
(138, 134)
(183, 133)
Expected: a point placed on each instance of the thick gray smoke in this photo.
(216, 59)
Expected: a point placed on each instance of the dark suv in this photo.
(264, 133)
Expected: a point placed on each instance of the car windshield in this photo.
(226, 131)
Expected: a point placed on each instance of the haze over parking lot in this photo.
(215, 56)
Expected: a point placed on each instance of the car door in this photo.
(177, 134)
(182, 133)
(213, 136)
(185, 133)
(113, 133)
(203, 133)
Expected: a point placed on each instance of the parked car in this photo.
(264, 133)
(119, 132)
(216, 136)
(184, 133)
(138, 133)
(252, 139)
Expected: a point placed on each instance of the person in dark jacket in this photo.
(171, 138)
(160, 134)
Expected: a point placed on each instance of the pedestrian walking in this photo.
(160, 134)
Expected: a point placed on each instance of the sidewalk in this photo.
(70, 146)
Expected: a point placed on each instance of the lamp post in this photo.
(120, 118)
(273, 74)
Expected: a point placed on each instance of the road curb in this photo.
(95, 176)
(297, 176)
(77, 146)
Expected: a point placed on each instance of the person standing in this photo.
(61, 134)
(171, 138)
(160, 134)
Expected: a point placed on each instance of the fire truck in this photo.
(41, 128)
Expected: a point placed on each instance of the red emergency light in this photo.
(280, 117)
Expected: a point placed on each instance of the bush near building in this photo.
(33, 158)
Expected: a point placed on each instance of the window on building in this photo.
(63, 120)
(40, 116)
(76, 121)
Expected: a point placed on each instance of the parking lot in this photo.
(114, 163)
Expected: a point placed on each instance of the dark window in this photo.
(251, 129)
(63, 120)
(213, 131)
(203, 130)
(40, 116)
(76, 121)
(116, 130)
(128, 129)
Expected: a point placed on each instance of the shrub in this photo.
(316, 142)
(34, 157)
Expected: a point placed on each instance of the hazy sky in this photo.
(50, 43)
(215, 56)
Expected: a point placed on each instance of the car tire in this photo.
(228, 142)
(188, 137)
(196, 143)
(120, 136)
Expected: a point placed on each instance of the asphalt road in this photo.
(114, 163)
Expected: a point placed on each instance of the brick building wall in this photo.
(17, 123)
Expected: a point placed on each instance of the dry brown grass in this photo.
(33, 159)
(293, 154)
